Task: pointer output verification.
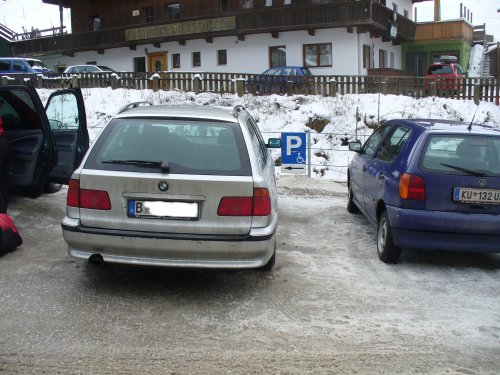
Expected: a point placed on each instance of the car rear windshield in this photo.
(203, 147)
(462, 155)
(440, 69)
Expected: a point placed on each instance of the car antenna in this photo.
(469, 128)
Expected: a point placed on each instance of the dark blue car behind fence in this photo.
(280, 80)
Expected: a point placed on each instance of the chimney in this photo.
(437, 10)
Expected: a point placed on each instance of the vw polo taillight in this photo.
(411, 187)
(257, 205)
(86, 198)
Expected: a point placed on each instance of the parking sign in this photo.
(293, 152)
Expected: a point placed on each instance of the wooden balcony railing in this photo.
(445, 30)
(365, 15)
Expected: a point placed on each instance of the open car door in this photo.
(68, 124)
(32, 150)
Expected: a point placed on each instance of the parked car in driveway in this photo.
(276, 79)
(181, 186)
(75, 69)
(21, 65)
(447, 74)
(428, 184)
(46, 144)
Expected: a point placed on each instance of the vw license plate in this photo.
(163, 210)
(483, 196)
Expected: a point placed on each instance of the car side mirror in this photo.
(355, 146)
(274, 143)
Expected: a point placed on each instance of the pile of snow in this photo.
(331, 120)
(475, 61)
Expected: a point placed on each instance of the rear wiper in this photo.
(469, 171)
(147, 163)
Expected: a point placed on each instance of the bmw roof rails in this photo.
(237, 109)
(128, 106)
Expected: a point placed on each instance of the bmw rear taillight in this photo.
(257, 205)
(86, 198)
(411, 187)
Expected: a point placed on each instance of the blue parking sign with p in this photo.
(293, 148)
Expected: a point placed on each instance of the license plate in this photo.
(163, 210)
(481, 196)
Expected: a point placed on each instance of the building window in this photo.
(392, 58)
(395, 7)
(176, 60)
(222, 57)
(367, 57)
(269, 3)
(95, 23)
(247, 4)
(196, 58)
(287, 2)
(173, 11)
(318, 54)
(149, 15)
(277, 56)
(382, 58)
(140, 64)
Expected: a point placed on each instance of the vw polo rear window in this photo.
(187, 146)
(462, 155)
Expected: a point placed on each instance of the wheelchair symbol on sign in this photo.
(300, 159)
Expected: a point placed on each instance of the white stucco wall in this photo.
(248, 56)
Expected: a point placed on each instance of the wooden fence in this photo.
(478, 89)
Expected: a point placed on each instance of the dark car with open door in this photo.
(46, 144)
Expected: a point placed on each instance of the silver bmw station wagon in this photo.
(176, 186)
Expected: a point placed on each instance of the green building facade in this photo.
(418, 55)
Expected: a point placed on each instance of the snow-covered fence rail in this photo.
(478, 89)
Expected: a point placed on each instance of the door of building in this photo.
(417, 63)
(157, 62)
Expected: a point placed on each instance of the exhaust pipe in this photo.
(96, 259)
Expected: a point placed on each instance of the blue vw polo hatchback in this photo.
(428, 184)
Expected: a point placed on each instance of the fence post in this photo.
(39, 81)
(383, 87)
(289, 88)
(75, 82)
(5, 80)
(333, 87)
(156, 83)
(239, 86)
(196, 84)
(114, 81)
(432, 89)
(477, 93)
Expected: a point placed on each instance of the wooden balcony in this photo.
(445, 30)
(360, 16)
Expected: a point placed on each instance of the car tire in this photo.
(351, 206)
(387, 251)
(270, 264)
(51, 188)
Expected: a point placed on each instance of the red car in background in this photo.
(447, 74)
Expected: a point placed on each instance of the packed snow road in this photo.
(330, 306)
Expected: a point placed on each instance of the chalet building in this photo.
(345, 37)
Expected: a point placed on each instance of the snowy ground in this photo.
(329, 119)
(329, 306)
